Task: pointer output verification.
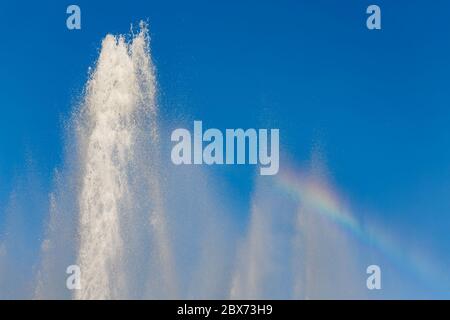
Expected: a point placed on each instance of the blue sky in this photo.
(377, 102)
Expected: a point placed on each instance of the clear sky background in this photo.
(377, 102)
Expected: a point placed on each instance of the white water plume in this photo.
(120, 96)
(109, 212)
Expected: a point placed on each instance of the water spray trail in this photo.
(147, 105)
(119, 92)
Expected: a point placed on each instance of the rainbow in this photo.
(319, 196)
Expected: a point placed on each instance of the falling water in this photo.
(114, 192)
(119, 95)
